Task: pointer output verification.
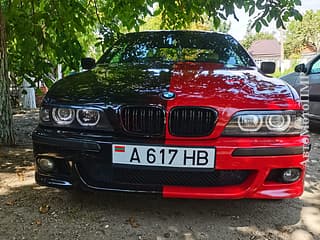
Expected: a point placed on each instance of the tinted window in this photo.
(316, 67)
(178, 46)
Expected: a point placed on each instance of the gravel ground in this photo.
(28, 211)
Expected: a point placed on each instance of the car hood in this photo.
(232, 87)
(113, 83)
(193, 83)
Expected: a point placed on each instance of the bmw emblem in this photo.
(168, 95)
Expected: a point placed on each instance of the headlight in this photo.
(71, 116)
(44, 114)
(249, 123)
(88, 117)
(63, 116)
(265, 123)
(278, 123)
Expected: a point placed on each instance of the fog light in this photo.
(46, 164)
(291, 175)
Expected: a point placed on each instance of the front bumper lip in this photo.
(70, 143)
(47, 180)
(270, 151)
(276, 191)
(255, 186)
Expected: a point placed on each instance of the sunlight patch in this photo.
(311, 219)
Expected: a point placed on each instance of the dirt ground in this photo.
(28, 211)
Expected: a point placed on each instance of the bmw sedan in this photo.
(185, 114)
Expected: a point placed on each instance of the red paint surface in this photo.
(230, 91)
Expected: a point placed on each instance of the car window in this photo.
(173, 47)
(315, 67)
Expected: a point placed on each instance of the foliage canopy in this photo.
(44, 33)
(302, 34)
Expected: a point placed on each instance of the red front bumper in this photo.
(257, 185)
(258, 156)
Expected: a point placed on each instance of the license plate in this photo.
(181, 157)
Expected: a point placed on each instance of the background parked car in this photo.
(312, 71)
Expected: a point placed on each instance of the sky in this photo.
(238, 29)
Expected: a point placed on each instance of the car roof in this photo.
(178, 31)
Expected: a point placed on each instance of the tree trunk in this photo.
(6, 128)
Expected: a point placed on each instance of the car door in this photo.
(314, 83)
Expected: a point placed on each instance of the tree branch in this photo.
(97, 13)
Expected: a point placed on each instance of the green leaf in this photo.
(216, 22)
(229, 9)
(157, 12)
(279, 23)
(273, 13)
(251, 11)
(298, 17)
(264, 22)
(239, 4)
(297, 2)
(259, 4)
(258, 26)
(269, 18)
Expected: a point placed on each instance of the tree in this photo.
(301, 34)
(154, 23)
(208, 25)
(249, 39)
(180, 13)
(224, 27)
(42, 33)
(6, 130)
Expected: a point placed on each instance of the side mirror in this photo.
(268, 67)
(88, 63)
(301, 68)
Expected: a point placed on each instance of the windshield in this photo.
(181, 46)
